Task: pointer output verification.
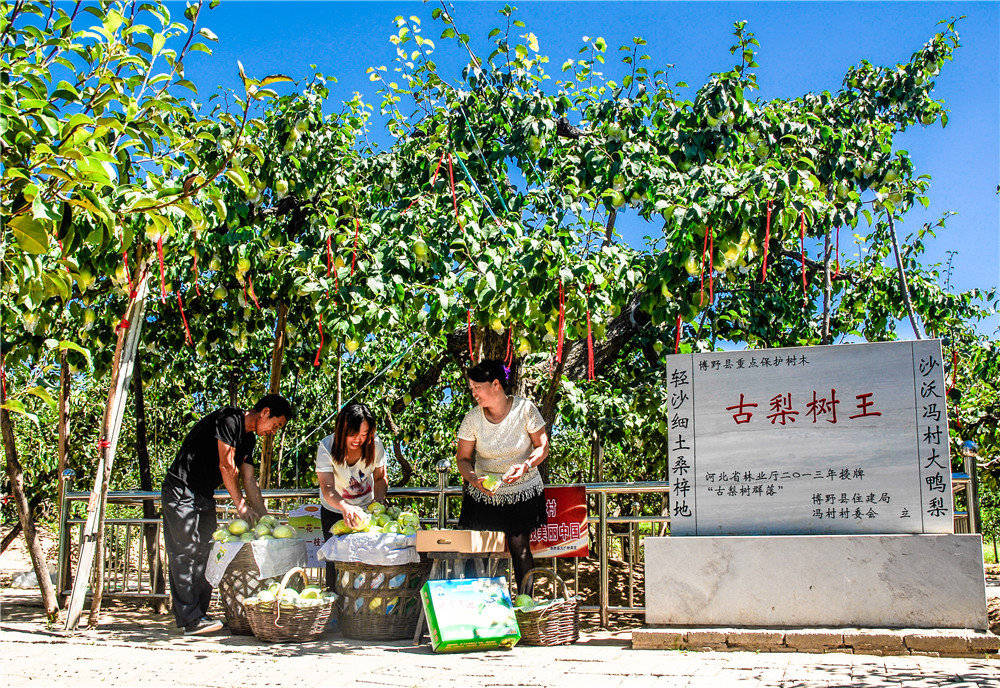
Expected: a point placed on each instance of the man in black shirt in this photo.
(217, 451)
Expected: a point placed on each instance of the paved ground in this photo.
(133, 648)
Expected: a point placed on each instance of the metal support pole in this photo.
(975, 523)
(63, 570)
(442, 506)
(602, 500)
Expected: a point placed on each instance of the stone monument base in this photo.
(877, 581)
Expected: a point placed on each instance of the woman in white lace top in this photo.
(502, 439)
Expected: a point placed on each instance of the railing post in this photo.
(63, 570)
(442, 470)
(602, 500)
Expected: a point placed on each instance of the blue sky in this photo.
(805, 46)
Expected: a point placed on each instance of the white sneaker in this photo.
(203, 626)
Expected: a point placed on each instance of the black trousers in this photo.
(328, 518)
(188, 523)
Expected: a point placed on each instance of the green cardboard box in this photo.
(469, 614)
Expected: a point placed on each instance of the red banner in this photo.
(566, 534)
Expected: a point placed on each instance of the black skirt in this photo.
(329, 518)
(511, 519)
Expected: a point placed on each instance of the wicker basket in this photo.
(555, 624)
(240, 581)
(273, 623)
(379, 602)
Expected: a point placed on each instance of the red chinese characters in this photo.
(784, 408)
(864, 405)
(781, 409)
(742, 415)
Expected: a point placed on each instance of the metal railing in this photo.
(135, 565)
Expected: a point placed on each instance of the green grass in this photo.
(988, 556)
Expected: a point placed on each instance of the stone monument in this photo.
(811, 486)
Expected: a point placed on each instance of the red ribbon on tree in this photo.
(329, 256)
(562, 323)
(433, 179)
(103, 444)
(123, 324)
(187, 332)
(508, 358)
(454, 198)
(252, 294)
(711, 269)
(954, 369)
(354, 255)
(163, 279)
(197, 276)
(802, 244)
(836, 270)
(472, 355)
(677, 337)
(320, 349)
(767, 240)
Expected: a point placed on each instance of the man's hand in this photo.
(247, 514)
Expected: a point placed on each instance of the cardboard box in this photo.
(306, 520)
(469, 614)
(465, 541)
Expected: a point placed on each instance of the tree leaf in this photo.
(42, 394)
(30, 234)
(17, 407)
(274, 79)
(66, 344)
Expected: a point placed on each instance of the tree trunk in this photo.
(154, 558)
(64, 391)
(15, 475)
(902, 279)
(12, 534)
(233, 383)
(277, 356)
(827, 288)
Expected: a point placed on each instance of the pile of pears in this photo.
(382, 520)
(267, 528)
(309, 596)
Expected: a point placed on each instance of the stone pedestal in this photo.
(880, 581)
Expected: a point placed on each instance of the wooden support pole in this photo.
(63, 450)
(121, 375)
(277, 357)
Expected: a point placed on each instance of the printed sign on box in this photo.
(566, 533)
(810, 440)
(306, 520)
(469, 614)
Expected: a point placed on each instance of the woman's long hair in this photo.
(349, 422)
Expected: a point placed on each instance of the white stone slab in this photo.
(875, 581)
(822, 439)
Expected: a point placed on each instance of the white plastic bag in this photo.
(28, 579)
(379, 549)
(274, 557)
